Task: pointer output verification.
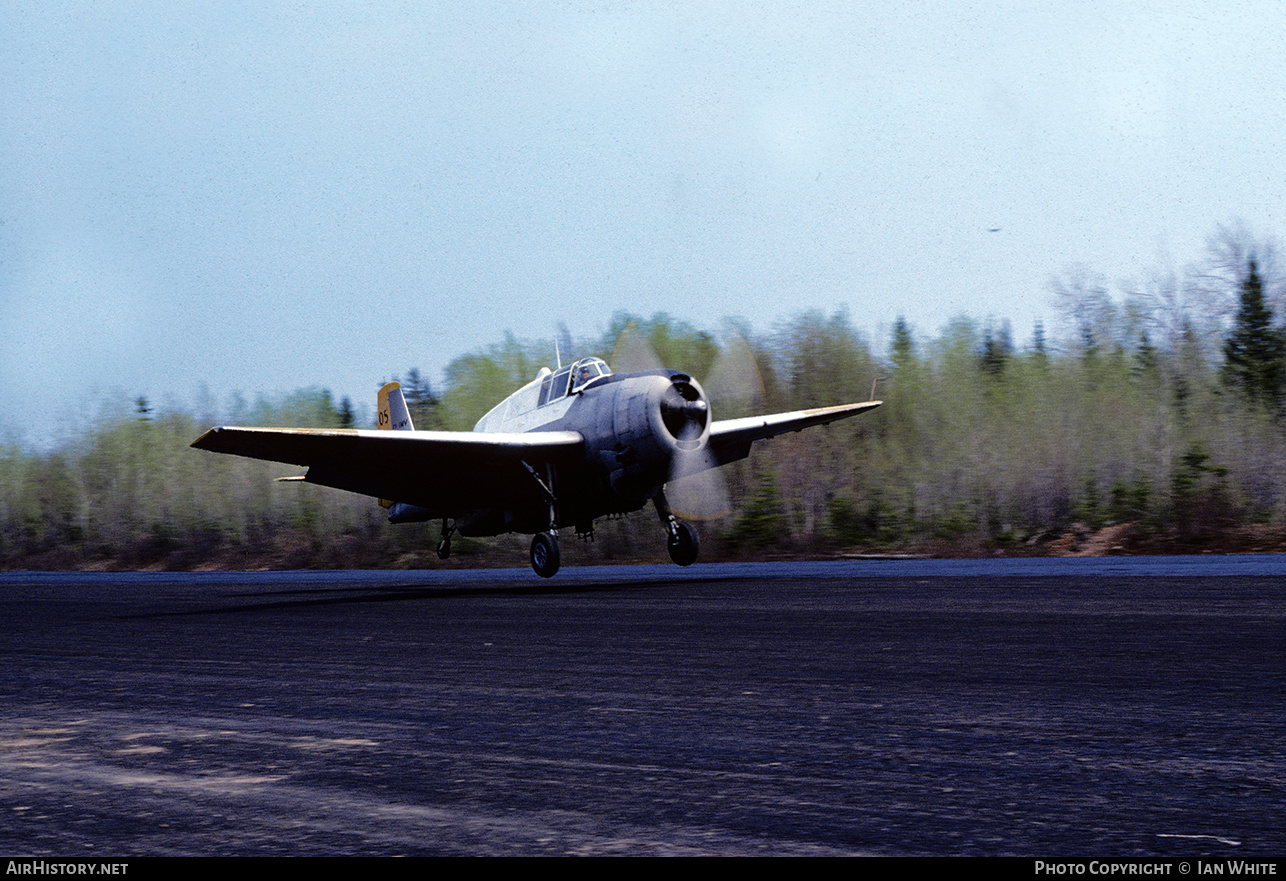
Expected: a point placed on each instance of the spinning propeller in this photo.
(696, 489)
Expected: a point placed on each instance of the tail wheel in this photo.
(684, 544)
(544, 554)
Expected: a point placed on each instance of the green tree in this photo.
(903, 343)
(477, 382)
(675, 344)
(997, 349)
(421, 402)
(764, 523)
(1255, 351)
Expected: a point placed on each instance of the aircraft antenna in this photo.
(565, 336)
(878, 379)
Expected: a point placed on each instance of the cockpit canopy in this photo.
(571, 379)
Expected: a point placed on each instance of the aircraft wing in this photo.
(730, 439)
(443, 471)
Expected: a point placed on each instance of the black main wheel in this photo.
(444, 549)
(684, 544)
(544, 554)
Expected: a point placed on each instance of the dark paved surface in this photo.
(711, 710)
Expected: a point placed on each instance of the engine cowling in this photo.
(658, 420)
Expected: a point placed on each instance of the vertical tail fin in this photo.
(393, 416)
(392, 409)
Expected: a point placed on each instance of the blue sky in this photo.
(268, 196)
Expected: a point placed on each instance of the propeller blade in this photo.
(735, 384)
(698, 490)
(633, 352)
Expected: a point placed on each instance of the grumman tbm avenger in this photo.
(574, 444)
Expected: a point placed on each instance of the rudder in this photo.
(393, 413)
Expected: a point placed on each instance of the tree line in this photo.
(1158, 405)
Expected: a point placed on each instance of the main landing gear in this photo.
(545, 558)
(682, 541)
(444, 546)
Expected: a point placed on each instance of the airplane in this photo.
(574, 444)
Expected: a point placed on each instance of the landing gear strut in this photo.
(682, 541)
(544, 554)
(544, 545)
(444, 546)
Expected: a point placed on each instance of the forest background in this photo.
(1148, 418)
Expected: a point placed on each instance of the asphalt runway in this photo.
(1108, 710)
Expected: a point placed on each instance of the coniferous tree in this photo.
(903, 343)
(1255, 351)
(421, 401)
(996, 351)
(346, 417)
